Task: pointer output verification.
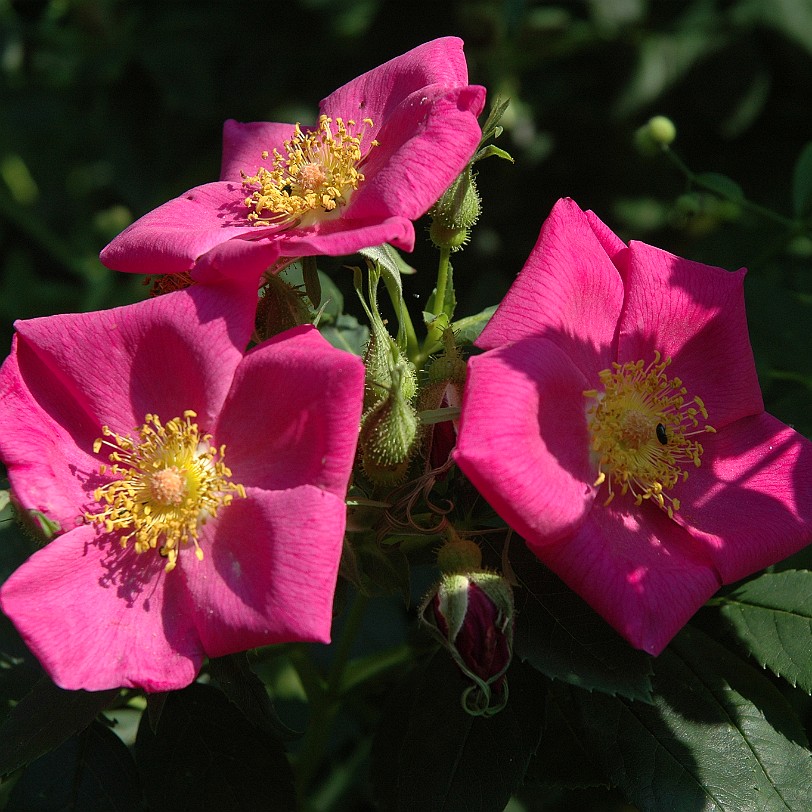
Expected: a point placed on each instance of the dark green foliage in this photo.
(108, 108)
(206, 755)
(563, 638)
(44, 719)
(93, 771)
(429, 754)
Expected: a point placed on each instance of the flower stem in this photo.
(326, 704)
(404, 319)
(442, 281)
(435, 329)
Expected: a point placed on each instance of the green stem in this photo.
(325, 705)
(442, 281)
(435, 332)
(763, 211)
(404, 319)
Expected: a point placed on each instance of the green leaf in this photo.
(312, 283)
(245, 689)
(429, 754)
(564, 757)
(721, 185)
(487, 152)
(491, 126)
(719, 737)
(44, 719)
(561, 636)
(92, 771)
(346, 334)
(391, 265)
(389, 259)
(206, 755)
(467, 330)
(772, 617)
(332, 298)
(376, 570)
(802, 183)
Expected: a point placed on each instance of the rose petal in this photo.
(568, 292)
(161, 356)
(376, 93)
(269, 570)
(751, 500)
(637, 568)
(98, 617)
(694, 314)
(170, 239)
(293, 413)
(244, 143)
(523, 438)
(47, 440)
(434, 127)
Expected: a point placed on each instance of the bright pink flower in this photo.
(585, 426)
(268, 484)
(408, 127)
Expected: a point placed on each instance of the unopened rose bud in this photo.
(656, 134)
(455, 212)
(471, 614)
(459, 555)
(662, 130)
(382, 356)
(389, 434)
(450, 365)
(280, 307)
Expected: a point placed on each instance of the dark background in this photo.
(108, 108)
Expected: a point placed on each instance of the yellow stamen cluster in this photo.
(316, 175)
(643, 427)
(170, 480)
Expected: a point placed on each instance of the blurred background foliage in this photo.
(110, 107)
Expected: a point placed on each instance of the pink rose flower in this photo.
(385, 147)
(200, 490)
(617, 424)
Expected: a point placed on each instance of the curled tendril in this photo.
(479, 700)
(400, 516)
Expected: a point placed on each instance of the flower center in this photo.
(170, 480)
(317, 174)
(643, 428)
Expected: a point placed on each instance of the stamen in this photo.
(642, 427)
(170, 480)
(316, 176)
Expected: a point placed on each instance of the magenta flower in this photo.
(649, 472)
(200, 491)
(385, 147)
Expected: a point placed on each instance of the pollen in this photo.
(312, 179)
(645, 431)
(169, 479)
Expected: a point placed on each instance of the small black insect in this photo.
(661, 435)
